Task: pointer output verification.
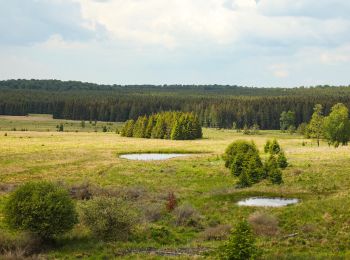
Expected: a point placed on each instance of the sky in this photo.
(261, 43)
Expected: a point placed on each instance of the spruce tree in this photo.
(176, 133)
(128, 128)
(241, 244)
(274, 147)
(273, 170)
(282, 160)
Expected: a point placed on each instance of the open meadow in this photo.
(316, 228)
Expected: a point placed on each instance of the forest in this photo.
(217, 106)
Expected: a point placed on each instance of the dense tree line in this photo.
(166, 125)
(215, 105)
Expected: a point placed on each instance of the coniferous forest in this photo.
(166, 125)
(218, 106)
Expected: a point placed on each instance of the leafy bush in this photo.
(241, 244)
(41, 208)
(108, 218)
(337, 125)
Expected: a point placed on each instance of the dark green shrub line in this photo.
(166, 125)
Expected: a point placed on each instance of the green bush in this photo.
(244, 161)
(41, 208)
(241, 244)
(108, 218)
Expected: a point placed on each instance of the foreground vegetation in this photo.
(180, 207)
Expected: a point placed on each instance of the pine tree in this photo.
(274, 147)
(128, 128)
(282, 160)
(176, 133)
(267, 146)
(273, 171)
(150, 124)
(159, 130)
(241, 244)
(140, 127)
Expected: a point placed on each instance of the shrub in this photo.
(161, 235)
(41, 208)
(263, 224)
(186, 215)
(241, 244)
(238, 154)
(108, 218)
(19, 247)
(171, 202)
(244, 161)
(81, 191)
(219, 232)
(154, 212)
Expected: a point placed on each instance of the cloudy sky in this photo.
(244, 42)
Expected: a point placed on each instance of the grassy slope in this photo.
(320, 177)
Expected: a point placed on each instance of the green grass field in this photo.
(318, 176)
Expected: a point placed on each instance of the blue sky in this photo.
(244, 42)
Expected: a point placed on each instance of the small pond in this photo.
(151, 156)
(267, 202)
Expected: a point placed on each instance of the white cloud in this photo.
(248, 42)
(279, 70)
(183, 23)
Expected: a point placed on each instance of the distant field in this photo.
(319, 176)
(45, 123)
